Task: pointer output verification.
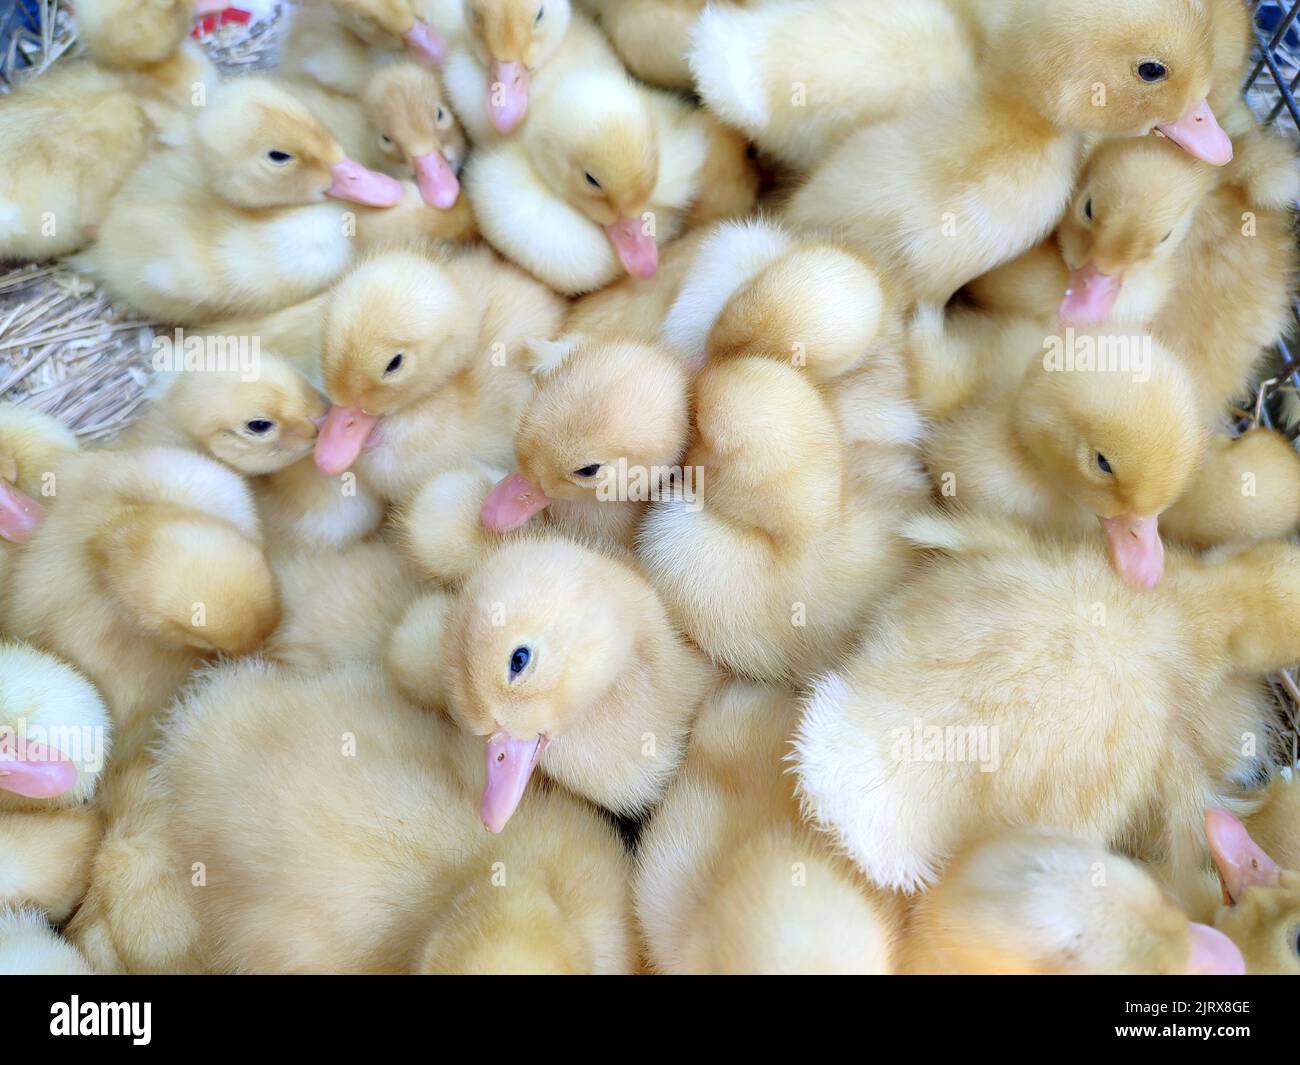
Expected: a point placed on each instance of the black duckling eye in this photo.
(591, 180)
(394, 364)
(540, 12)
(278, 157)
(260, 426)
(1166, 236)
(1103, 463)
(1087, 209)
(588, 471)
(440, 116)
(1152, 71)
(385, 140)
(519, 659)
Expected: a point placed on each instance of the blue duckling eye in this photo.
(519, 659)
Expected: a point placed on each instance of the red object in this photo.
(207, 24)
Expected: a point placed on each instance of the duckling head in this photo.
(606, 405)
(260, 147)
(394, 330)
(256, 425)
(189, 580)
(386, 22)
(1261, 911)
(540, 633)
(405, 102)
(133, 34)
(513, 38)
(54, 730)
(1113, 425)
(1124, 69)
(601, 155)
(1136, 204)
(30, 445)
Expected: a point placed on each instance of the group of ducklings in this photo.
(779, 604)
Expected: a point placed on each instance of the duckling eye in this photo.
(1166, 236)
(394, 364)
(591, 180)
(588, 471)
(385, 140)
(1087, 209)
(540, 12)
(1296, 944)
(519, 659)
(1152, 72)
(260, 426)
(440, 117)
(1103, 464)
(278, 157)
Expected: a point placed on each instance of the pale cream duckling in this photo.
(244, 208)
(564, 660)
(603, 173)
(340, 43)
(54, 741)
(1275, 826)
(774, 506)
(424, 361)
(984, 171)
(652, 37)
(409, 880)
(161, 551)
(730, 879)
(1035, 902)
(1062, 430)
(30, 947)
(1261, 911)
(1037, 660)
(33, 447)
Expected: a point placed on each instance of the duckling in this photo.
(340, 43)
(799, 76)
(730, 879)
(603, 173)
(1116, 441)
(120, 33)
(33, 447)
(161, 551)
(1261, 910)
(1056, 634)
(1274, 824)
(1246, 490)
(54, 741)
(563, 659)
(775, 508)
(244, 210)
(418, 132)
(423, 361)
(30, 947)
(984, 171)
(421, 888)
(652, 37)
(1036, 902)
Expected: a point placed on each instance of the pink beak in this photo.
(357, 184)
(20, 514)
(341, 439)
(636, 248)
(1241, 861)
(40, 773)
(437, 180)
(512, 502)
(426, 43)
(1136, 549)
(1213, 954)
(507, 95)
(1199, 134)
(510, 763)
(1089, 297)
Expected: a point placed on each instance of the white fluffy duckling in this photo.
(30, 947)
(1146, 677)
(564, 660)
(730, 879)
(413, 885)
(161, 551)
(340, 43)
(603, 173)
(54, 742)
(33, 447)
(423, 358)
(244, 206)
(1034, 902)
